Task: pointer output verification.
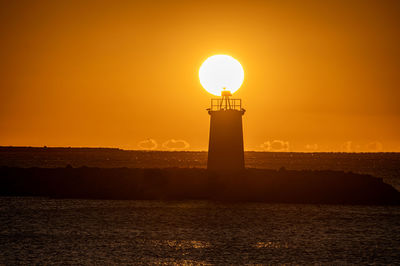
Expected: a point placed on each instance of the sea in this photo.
(77, 231)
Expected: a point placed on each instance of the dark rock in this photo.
(274, 186)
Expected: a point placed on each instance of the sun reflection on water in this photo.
(270, 244)
(181, 244)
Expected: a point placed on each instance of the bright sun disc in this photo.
(221, 72)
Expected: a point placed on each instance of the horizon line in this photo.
(165, 150)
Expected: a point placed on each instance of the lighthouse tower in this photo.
(222, 75)
(225, 148)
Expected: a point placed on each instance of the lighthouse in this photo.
(222, 75)
(225, 146)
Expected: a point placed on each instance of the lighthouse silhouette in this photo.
(222, 75)
(225, 147)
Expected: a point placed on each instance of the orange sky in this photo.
(319, 75)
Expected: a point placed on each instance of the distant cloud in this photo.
(347, 146)
(275, 145)
(176, 145)
(312, 147)
(350, 146)
(148, 144)
(374, 146)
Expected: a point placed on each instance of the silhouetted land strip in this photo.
(275, 186)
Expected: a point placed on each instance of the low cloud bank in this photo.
(176, 145)
(351, 146)
(148, 144)
(276, 145)
(312, 147)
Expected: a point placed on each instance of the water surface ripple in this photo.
(48, 231)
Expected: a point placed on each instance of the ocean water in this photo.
(50, 231)
(64, 231)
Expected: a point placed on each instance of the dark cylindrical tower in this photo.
(225, 149)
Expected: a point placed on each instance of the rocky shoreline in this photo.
(253, 185)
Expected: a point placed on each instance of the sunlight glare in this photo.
(221, 72)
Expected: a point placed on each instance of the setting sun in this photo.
(221, 72)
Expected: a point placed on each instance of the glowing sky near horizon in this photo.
(319, 75)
